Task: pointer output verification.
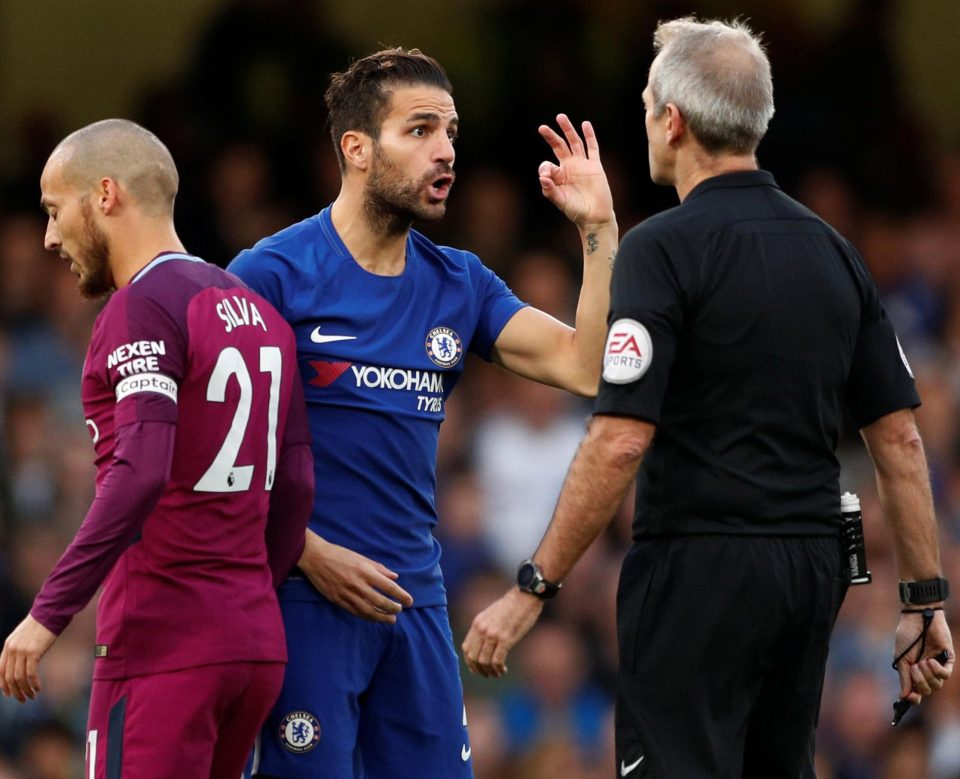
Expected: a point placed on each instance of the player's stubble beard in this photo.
(92, 258)
(393, 202)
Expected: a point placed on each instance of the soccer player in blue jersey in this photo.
(383, 320)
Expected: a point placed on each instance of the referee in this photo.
(740, 325)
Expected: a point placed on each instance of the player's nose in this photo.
(444, 151)
(51, 239)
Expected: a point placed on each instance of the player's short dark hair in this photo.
(357, 98)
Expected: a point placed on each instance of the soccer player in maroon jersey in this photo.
(204, 477)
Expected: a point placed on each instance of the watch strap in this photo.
(918, 593)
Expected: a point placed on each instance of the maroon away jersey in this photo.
(187, 343)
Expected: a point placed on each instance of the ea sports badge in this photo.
(443, 347)
(299, 732)
(628, 352)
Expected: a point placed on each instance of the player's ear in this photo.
(357, 147)
(107, 195)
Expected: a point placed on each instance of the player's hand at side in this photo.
(496, 630)
(576, 183)
(361, 586)
(924, 676)
(20, 659)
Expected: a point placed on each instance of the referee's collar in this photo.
(740, 179)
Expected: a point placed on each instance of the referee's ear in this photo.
(676, 125)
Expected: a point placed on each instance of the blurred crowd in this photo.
(245, 123)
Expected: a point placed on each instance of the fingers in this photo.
(560, 149)
(390, 588)
(15, 677)
(496, 629)
(32, 676)
(590, 138)
(570, 133)
(918, 680)
(4, 686)
(378, 599)
(20, 658)
(484, 654)
(499, 660)
(906, 685)
(921, 683)
(371, 605)
(570, 144)
(928, 676)
(492, 658)
(547, 170)
(20, 678)
(364, 587)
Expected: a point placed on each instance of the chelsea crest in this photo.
(299, 732)
(444, 347)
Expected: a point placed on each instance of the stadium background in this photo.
(867, 132)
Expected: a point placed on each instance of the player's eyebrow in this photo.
(430, 116)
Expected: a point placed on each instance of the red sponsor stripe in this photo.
(327, 372)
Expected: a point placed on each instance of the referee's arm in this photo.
(903, 484)
(601, 473)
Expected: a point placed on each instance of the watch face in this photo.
(526, 576)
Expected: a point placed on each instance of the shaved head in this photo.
(126, 152)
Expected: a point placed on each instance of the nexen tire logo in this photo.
(147, 382)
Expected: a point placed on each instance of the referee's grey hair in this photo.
(718, 75)
(127, 152)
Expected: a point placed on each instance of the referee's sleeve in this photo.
(880, 380)
(646, 318)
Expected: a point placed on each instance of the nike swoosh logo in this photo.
(317, 338)
(626, 769)
(465, 752)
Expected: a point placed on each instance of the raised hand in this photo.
(576, 183)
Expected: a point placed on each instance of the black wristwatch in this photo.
(530, 579)
(924, 592)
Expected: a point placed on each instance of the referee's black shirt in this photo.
(740, 324)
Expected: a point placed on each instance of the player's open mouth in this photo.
(440, 187)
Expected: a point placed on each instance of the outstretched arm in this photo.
(903, 484)
(534, 344)
(602, 471)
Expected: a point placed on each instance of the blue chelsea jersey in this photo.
(379, 355)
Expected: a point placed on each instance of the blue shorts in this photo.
(365, 699)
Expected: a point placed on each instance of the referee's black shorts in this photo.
(723, 643)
